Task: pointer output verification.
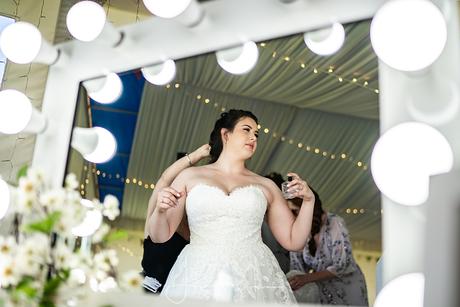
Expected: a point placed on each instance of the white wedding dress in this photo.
(226, 259)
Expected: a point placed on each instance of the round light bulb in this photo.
(239, 60)
(405, 157)
(85, 20)
(87, 203)
(408, 35)
(4, 198)
(325, 41)
(109, 91)
(404, 291)
(105, 149)
(167, 8)
(15, 111)
(89, 225)
(160, 74)
(21, 42)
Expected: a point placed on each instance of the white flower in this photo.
(37, 246)
(27, 186)
(107, 284)
(71, 216)
(37, 176)
(73, 197)
(7, 246)
(97, 204)
(111, 210)
(77, 277)
(53, 200)
(26, 202)
(32, 254)
(131, 280)
(99, 235)
(27, 262)
(71, 181)
(63, 256)
(106, 260)
(104, 285)
(82, 261)
(8, 273)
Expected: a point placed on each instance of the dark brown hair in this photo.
(227, 120)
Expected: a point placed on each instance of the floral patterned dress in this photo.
(334, 254)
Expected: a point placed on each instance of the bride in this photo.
(225, 204)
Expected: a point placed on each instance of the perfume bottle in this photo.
(284, 189)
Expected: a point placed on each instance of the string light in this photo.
(328, 71)
(357, 211)
(300, 145)
(266, 130)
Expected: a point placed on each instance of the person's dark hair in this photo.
(316, 222)
(227, 120)
(276, 178)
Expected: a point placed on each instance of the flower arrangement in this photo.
(56, 249)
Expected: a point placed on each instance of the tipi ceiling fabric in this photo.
(306, 109)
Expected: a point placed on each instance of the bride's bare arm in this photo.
(170, 174)
(289, 231)
(169, 210)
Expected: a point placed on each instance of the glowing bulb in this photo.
(85, 20)
(325, 41)
(21, 42)
(89, 225)
(403, 159)
(239, 60)
(105, 90)
(15, 111)
(404, 291)
(402, 37)
(4, 198)
(87, 203)
(160, 74)
(96, 144)
(167, 8)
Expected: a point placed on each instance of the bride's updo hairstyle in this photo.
(227, 120)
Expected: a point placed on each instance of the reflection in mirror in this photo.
(318, 117)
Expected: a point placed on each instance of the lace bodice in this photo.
(234, 218)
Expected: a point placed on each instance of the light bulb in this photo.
(4, 198)
(167, 8)
(160, 74)
(404, 291)
(21, 42)
(87, 203)
(85, 20)
(325, 41)
(96, 144)
(15, 111)
(238, 60)
(408, 35)
(106, 89)
(405, 157)
(89, 225)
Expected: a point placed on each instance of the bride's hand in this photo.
(167, 198)
(299, 188)
(200, 153)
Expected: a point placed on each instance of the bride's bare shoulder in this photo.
(194, 171)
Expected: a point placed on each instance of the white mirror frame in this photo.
(155, 40)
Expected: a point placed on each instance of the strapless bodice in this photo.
(215, 217)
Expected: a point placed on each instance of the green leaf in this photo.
(51, 288)
(45, 225)
(22, 171)
(25, 287)
(115, 235)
